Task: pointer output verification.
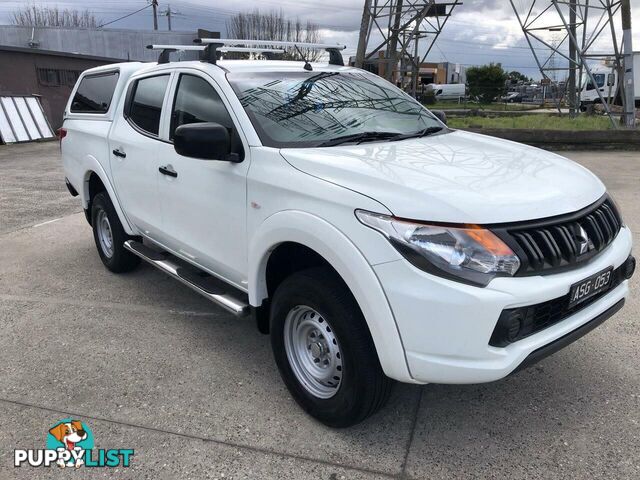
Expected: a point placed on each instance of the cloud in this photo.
(479, 31)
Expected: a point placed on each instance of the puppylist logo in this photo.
(70, 444)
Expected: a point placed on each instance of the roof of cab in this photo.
(129, 69)
(246, 66)
(124, 67)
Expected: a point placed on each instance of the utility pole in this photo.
(154, 4)
(401, 24)
(542, 15)
(627, 50)
(364, 33)
(573, 98)
(392, 51)
(169, 16)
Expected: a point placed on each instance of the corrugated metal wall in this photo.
(110, 43)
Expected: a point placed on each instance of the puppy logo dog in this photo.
(70, 443)
(69, 434)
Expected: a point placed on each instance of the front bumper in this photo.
(446, 326)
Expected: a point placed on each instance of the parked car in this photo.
(370, 241)
(512, 97)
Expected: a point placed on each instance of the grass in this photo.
(533, 122)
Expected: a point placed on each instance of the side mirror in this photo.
(207, 141)
(440, 115)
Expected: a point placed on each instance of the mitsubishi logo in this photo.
(583, 241)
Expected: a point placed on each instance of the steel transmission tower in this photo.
(582, 25)
(396, 28)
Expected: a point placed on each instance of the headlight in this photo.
(466, 253)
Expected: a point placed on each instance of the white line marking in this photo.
(45, 223)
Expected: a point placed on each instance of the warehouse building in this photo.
(429, 72)
(47, 61)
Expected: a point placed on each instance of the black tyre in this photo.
(110, 236)
(324, 350)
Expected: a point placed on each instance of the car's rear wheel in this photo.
(324, 350)
(109, 236)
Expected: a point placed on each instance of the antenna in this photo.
(307, 65)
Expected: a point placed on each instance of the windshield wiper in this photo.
(422, 133)
(359, 137)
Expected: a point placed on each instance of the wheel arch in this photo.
(95, 180)
(326, 242)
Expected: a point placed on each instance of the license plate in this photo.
(589, 287)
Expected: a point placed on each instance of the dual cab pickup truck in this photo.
(369, 240)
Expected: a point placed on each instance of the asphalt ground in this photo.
(149, 365)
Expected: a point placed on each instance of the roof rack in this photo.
(168, 49)
(335, 55)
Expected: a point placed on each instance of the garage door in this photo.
(22, 120)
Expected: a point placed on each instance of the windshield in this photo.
(309, 109)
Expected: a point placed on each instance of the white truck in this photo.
(369, 240)
(449, 91)
(607, 82)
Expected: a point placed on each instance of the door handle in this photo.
(119, 153)
(168, 170)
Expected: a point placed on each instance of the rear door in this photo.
(134, 145)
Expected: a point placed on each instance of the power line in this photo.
(123, 17)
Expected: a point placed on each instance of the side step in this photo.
(206, 285)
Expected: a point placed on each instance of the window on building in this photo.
(94, 93)
(55, 77)
(146, 103)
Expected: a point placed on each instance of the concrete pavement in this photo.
(150, 365)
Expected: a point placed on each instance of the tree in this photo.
(486, 82)
(39, 16)
(273, 25)
(516, 77)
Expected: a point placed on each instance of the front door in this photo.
(133, 146)
(204, 201)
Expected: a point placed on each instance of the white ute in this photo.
(369, 240)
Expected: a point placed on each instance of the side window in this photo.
(197, 101)
(146, 102)
(599, 77)
(94, 93)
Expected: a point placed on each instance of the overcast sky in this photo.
(479, 31)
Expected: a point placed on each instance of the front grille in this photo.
(559, 243)
(517, 323)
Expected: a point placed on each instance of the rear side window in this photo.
(146, 103)
(94, 93)
(197, 101)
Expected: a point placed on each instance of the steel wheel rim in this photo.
(313, 351)
(105, 235)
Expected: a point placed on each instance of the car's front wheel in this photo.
(324, 350)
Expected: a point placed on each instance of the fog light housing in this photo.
(510, 328)
(629, 267)
(514, 326)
